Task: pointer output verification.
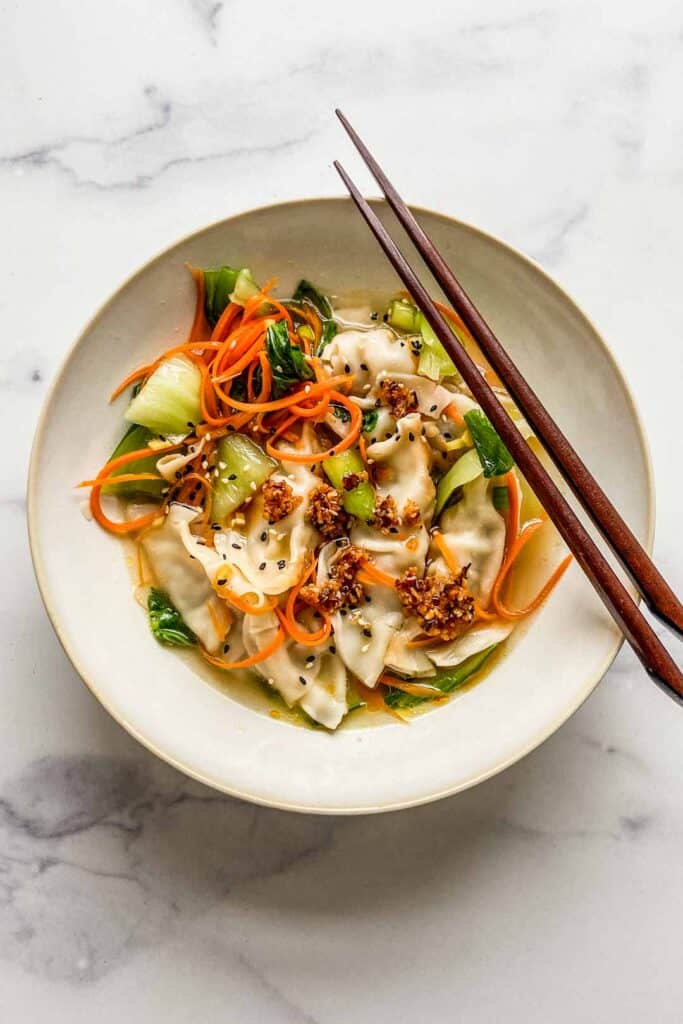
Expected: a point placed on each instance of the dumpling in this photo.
(174, 462)
(393, 554)
(475, 533)
(272, 556)
(408, 661)
(312, 677)
(362, 635)
(366, 354)
(402, 469)
(472, 642)
(184, 578)
(431, 398)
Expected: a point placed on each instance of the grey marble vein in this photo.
(80, 836)
(156, 145)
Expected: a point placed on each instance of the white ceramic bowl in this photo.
(157, 696)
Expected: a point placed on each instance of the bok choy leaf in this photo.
(307, 292)
(166, 622)
(494, 456)
(287, 361)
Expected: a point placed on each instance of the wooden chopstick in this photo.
(656, 592)
(656, 660)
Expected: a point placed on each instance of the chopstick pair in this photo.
(654, 589)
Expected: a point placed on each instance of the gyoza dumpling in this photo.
(366, 354)
(402, 468)
(475, 532)
(393, 554)
(362, 635)
(312, 677)
(184, 578)
(431, 398)
(408, 661)
(476, 639)
(276, 553)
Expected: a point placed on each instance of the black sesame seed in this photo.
(233, 476)
(385, 317)
(226, 648)
(190, 424)
(221, 583)
(402, 344)
(281, 563)
(224, 557)
(332, 649)
(393, 529)
(347, 368)
(310, 659)
(237, 547)
(264, 536)
(378, 403)
(411, 435)
(447, 435)
(215, 526)
(367, 632)
(433, 408)
(178, 475)
(363, 366)
(373, 316)
(262, 566)
(368, 599)
(388, 434)
(302, 680)
(343, 612)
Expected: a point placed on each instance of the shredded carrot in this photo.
(309, 458)
(376, 575)
(123, 478)
(301, 636)
(220, 627)
(454, 414)
(294, 398)
(261, 655)
(288, 619)
(446, 553)
(230, 314)
(362, 448)
(237, 602)
(416, 689)
(105, 476)
(423, 641)
(512, 518)
(483, 615)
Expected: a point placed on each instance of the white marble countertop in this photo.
(550, 893)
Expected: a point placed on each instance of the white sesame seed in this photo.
(364, 648)
(253, 485)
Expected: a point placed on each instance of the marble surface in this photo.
(552, 892)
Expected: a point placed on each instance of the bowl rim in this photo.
(215, 783)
